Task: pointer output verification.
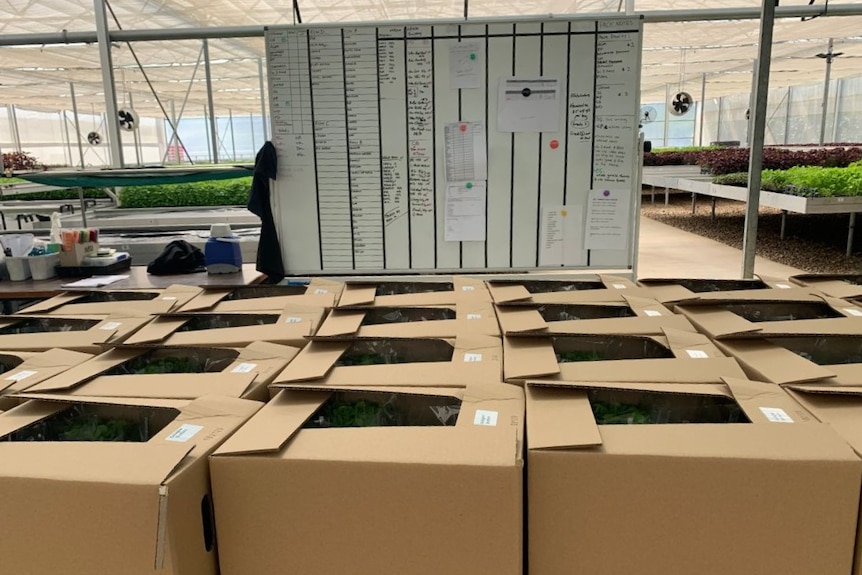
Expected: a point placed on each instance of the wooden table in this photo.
(138, 279)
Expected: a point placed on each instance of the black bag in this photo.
(178, 257)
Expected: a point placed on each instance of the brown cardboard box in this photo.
(259, 298)
(411, 292)
(423, 499)
(468, 315)
(542, 290)
(420, 362)
(289, 327)
(136, 508)
(638, 316)
(244, 373)
(667, 290)
(847, 286)
(99, 302)
(38, 367)
(675, 357)
(797, 313)
(840, 406)
(777, 495)
(86, 333)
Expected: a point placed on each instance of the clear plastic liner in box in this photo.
(378, 316)
(824, 350)
(373, 409)
(177, 360)
(47, 325)
(399, 288)
(254, 292)
(623, 407)
(391, 351)
(568, 312)
(781, 311)
(220, 321)
(601, 348)
(92, 423)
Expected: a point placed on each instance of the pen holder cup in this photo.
(76, 255)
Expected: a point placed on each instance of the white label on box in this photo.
(853, 311)
(184, 432)
(21, 375)
(484, 417)
(244, 368)
(293, 320)
(776, 415)
(619, 286)
(652, 313)
(697, 354)
(471, 357)
(474, 316)
(782, 286)
(111, 325)
(468, 288)
(169, 298)
(320, 291)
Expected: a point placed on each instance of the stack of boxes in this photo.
(436, 425)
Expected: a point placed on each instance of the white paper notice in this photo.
(465, 64)
(97, 281)
(608, 220)
(465, 212)
(560, 237)
(529, 105)
(466, 159)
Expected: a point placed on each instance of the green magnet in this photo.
(472, 56)
(469, 185)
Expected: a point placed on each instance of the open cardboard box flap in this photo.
(364, 293)
(835, 285)
(41, 367)
(471, 316)
(621, 326)
(829, 326)
(318, 293)
(165, 386)
(165, 301)
(718, 323)
(790, 294)
(765, 361)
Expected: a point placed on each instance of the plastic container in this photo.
(44, 267)
(18, 268)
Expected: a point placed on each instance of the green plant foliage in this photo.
(807, 181)
(171, 365)
(213, 193)
(573, 356)
(607, 413)
(57, 195)
(95, 428)
(363, 359)
(360, 413)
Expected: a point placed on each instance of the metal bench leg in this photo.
(712, 215)
(850, 229)
(652, 193)
(693, 203)
(783, 222)
(666, 195)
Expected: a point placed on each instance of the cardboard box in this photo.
(98, 302)
(777, 495)
(174, 373)
(87, 333)
(419, 362)
(799, 312)
(132, 507)
(638, 316)
(12, 305)
(541, 290)
(418, 291)
(294, 496)
(676, 356)
(290, 327)
(37, 367)
(847, 286)
(317, 293)
(469, 315)
(840, 406)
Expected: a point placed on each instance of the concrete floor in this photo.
(666, 251)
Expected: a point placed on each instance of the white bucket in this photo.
(18, 268)
(44, 267)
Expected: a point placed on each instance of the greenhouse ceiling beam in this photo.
(649, 16)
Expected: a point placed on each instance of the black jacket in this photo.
(268, 249)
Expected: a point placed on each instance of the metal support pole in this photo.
(666, 196)
(666, 113)
(702, 108)
(829, 56)
(209, 136)
(751, 96)
(251, 126)
(718, 123)
(77, 122)
(262, 100)
(839, 87)
(787, 116)
(172, 139)
(232, 139)
(761, 95)
(783, 223)
(693, 203)
(630, 7)
(209, 82)
(115, 140)
(136, 134)
(712, 213)
(68, 138)
(13, 127)
(850, 230)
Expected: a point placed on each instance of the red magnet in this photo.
(463, 127)
(554, 144)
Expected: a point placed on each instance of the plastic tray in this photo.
(89, 271)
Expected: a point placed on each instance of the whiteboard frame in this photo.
(635, 204)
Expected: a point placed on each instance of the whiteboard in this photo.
(359, 117)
